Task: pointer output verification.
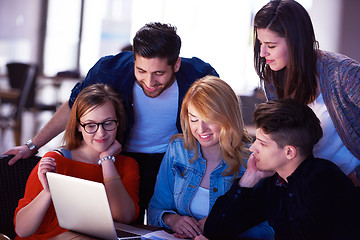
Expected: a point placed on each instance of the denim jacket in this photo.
(178, 180)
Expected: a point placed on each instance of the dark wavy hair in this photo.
(289, 20)
(157, 40)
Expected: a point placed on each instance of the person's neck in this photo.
(85, 154)
(212, 154)
(289, 168)
(213, 157)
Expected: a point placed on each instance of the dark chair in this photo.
(12, 116)
(12, 186)
(17, 73)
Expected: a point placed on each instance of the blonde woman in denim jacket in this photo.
(201, 164)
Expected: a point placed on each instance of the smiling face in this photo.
(269, 156)
(273, 48)
(206, 133)
(101, 139)
(154, 75)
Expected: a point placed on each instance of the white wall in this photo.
(326, 17)
(219, 32)
(19, 31)
(215, 31)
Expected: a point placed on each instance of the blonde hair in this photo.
(215, 101)
(88, 99)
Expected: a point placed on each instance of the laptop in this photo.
(82, 206)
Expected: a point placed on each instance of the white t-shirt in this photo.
(199, 205)
(330, 146)
(155, 120)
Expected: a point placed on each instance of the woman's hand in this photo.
(47, 164)
(113, 150)
(202, 223)
(183, 226)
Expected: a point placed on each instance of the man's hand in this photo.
(52, 128)
(253, 174)
(354, 179)
(19, 152)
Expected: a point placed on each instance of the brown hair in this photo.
(89, 98)
(289, 123)
(291, 21)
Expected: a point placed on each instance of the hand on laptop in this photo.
(47, 164)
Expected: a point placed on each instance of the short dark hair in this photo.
(157, 40)
(289, 123)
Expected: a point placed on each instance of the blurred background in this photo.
(64, 39)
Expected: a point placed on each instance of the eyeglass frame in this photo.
(98, 125)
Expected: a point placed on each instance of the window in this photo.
(105, 29)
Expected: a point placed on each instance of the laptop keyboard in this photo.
(122, 235)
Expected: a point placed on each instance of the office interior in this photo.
(69, 36)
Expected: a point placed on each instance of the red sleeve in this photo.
(33, 188)
(49, 226)
(128, 170)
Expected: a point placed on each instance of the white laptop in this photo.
(82, 206)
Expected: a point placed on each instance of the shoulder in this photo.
(177, 141)
(341, 72)
(177, 152)
(114, 63)
(324, 172)
(176, 144)
(195, 64)
(331, 60)
(54, 154)
(319, 165)
(125, 161)
(194, 68)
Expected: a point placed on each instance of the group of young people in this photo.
(166, 134)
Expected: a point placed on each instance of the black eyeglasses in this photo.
(108, 125)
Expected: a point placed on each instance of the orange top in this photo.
(127, 168)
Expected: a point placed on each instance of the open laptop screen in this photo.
(82, 206)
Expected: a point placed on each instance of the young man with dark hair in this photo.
(152, 81)
(302, 197)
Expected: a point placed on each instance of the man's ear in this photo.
(290, 151)
(177, 65)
